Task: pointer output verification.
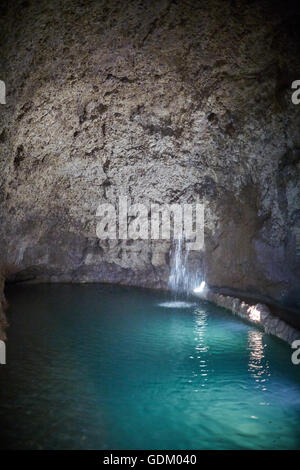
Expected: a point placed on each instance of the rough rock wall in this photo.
(164, 101)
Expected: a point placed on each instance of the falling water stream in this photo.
(183, 277)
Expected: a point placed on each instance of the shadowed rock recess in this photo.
(162, 101)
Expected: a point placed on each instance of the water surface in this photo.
(107, 367)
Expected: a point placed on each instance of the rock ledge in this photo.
(258, 314)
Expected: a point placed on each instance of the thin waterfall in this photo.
(184, 277)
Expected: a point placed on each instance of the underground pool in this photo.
(96, 366)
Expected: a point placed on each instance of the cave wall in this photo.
(166, 102)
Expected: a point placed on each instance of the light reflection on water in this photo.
(201, 347)
(177, 304)
(258, 367)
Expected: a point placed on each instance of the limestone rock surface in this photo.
(161, 101)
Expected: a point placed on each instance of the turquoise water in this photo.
(106, 367)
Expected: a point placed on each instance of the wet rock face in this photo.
(165, 102)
